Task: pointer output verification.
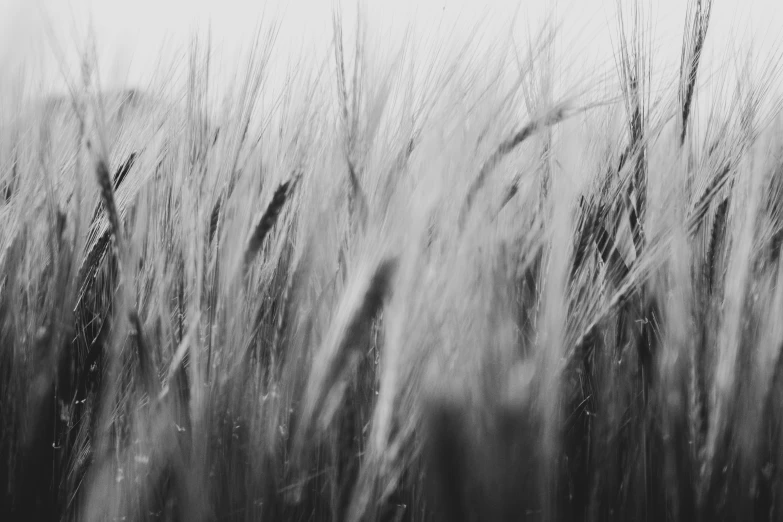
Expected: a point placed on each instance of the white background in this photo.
(42, 37)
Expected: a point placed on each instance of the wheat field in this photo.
(398, 291)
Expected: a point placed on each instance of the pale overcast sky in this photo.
(131, 35)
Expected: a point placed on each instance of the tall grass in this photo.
(394, 295)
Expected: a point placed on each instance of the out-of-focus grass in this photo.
(467, 300)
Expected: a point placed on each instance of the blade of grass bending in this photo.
(552, 117)
(268, 220)
(179, 355)
(107, 196)
(557, 114)
(337, 358)
(97, 250)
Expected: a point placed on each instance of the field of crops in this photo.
(389, 295)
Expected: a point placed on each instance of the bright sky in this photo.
(132, 35)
